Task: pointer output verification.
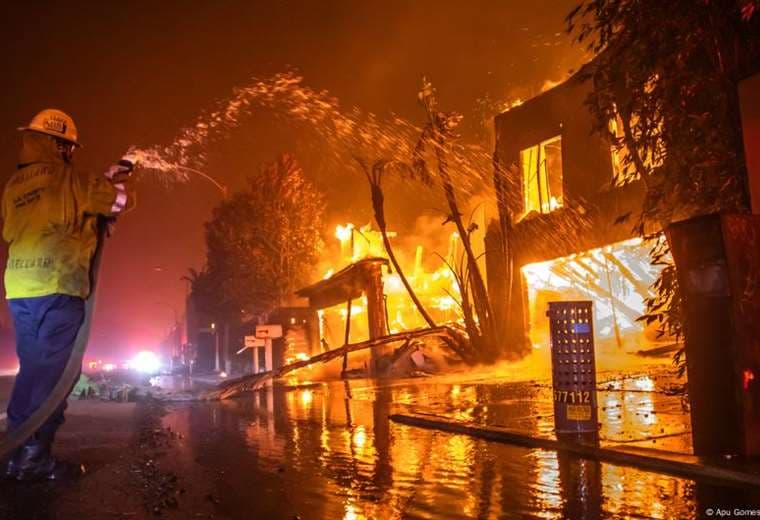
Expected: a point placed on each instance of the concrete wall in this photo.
(586, 156)
(590, 207)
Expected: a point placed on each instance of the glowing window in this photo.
(541, 167)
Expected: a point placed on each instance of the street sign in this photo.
(253, 341)
(268, 331)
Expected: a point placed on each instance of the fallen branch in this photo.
(251, 382)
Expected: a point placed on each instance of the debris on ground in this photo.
(411, 343)
(116, 387)
(160, 489)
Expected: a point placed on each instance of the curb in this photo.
(612, 456)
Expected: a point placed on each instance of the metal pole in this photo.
(347, 336)
(227, 356)
(216, 350)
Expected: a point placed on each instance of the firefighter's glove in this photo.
(120, 172)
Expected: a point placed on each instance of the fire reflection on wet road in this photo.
(329, 451)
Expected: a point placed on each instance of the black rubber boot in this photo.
(35, 462)
(10, 468)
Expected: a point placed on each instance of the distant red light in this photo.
(748, 376)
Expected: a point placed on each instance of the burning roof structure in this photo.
(365, 300)
(363, 278)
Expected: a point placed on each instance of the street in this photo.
(328, 451)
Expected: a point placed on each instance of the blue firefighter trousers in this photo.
(46, 328)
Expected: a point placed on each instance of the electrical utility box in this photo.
(571, 329)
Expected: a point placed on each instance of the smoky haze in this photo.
(133, 73)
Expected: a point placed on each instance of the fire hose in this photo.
(70, 375)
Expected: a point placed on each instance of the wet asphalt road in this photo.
(328, 451)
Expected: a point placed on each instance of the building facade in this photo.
(557, 197)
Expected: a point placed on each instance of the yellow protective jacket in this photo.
(49, 214)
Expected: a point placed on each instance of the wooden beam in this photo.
(347, 336)
(251, 382)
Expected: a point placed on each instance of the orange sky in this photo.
(135, 72)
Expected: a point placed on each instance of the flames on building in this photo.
(565, 191)
(430, 277)
(564, 196)
(616, 277)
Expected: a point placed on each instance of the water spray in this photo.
(345, 133)
(150, 159)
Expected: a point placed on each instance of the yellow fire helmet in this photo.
(56, 123)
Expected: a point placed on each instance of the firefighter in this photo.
(50, 212)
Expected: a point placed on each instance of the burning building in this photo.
(559, 206)
(360, 281)
(560, 209)
(360, 298)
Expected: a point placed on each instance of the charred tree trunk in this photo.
(505, 246)
(439, 133)
(479, 292)
(485, 333)
(378, 206)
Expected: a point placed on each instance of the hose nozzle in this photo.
(127, 164)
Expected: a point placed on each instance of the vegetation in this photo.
(374, 175)
(667, 72)
(436, 145)
(439, 137)
(261, 244)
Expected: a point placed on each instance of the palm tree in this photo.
(374, 176)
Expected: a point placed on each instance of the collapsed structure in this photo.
(361, 279)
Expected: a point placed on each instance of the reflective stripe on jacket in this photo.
(49, 212)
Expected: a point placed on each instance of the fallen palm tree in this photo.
(450, 337)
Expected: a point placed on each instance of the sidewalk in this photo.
(643, 422)
(99, 436)
(658, 461)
